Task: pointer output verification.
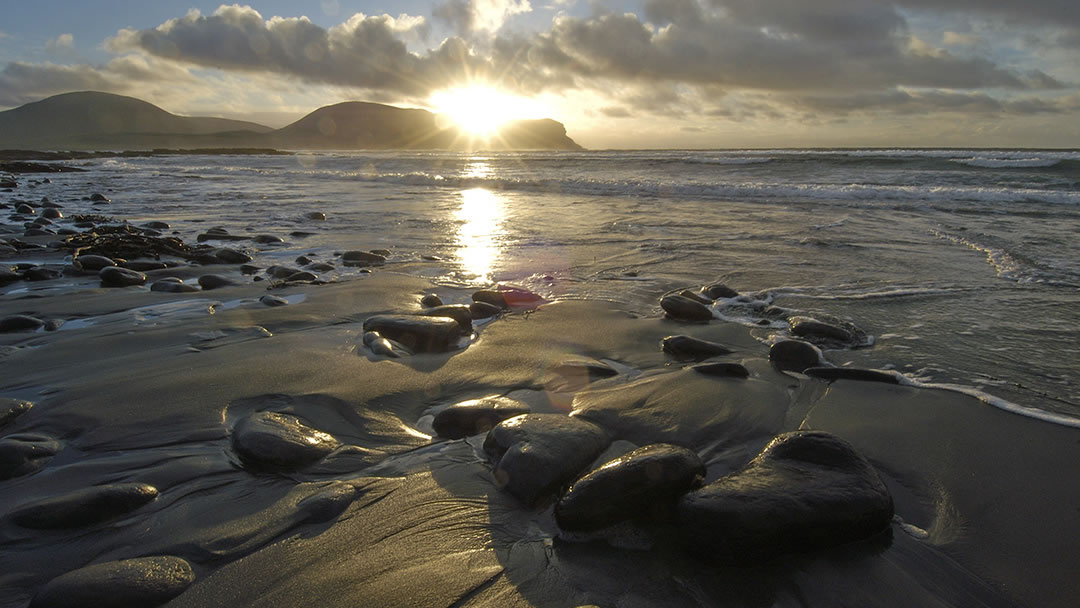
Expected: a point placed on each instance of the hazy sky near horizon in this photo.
(647, 73)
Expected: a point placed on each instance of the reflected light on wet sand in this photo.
(478, 236)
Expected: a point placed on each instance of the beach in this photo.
(962, 295)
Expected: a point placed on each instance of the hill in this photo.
(102, 121)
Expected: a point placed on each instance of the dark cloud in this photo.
(930, 103)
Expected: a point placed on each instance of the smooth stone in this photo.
(25, 453)
(491, 298)
(795, 355)
(213, 281)
(51, 213)
(431, 300)
(7, 275)
(92, 263)
(42, 221)
(419, 334)
(144, 582)
(302, 260)
(98, 197)
(166, 286)
(718, 290)
(157, 225)
(315, 215)
(303, 275)
(852, 373)
(806, 490)
(116, 276)
(272, 300)
(383, 347)
(40, 273)
(281, 272)
(25, 209)
(722, 369)
(476, 416)
(267, 239)
(686, 293)
(53, 324)
(19, 323)
(643, 485)
(535, 454)
(687, 348)
(322, 267)
(39, 232)
(248, 269)
(280, 441)
(10, 409)
(232, 256)
(328, 503)
(84, 507)
(812, 329)
(483, 310)
(457, 312)
(144, 265)
(362, 257)
(684, 309)
(383, 252)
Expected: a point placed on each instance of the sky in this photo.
(618, 74)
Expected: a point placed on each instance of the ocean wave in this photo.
(1002, 404)
(1007, 163)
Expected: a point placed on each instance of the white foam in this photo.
(998, 402)
(1006, 163)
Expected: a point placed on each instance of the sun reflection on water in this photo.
(481, 216)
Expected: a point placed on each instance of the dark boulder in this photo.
(7, 275)
(315, 215)
(686, 293)
(25, 453)
(41, 273)
(820, 332)
(144, 582)
(718, 290)
(25, 209)
(213, 281)
(535, 454)
(232, 256)
(476, 416)
(682, 308)
(281, 272)
(92, 263)
(795, 355)
(280, 441)
(51, 213)
(643, 485)
(115, 276)
(419, 334)
(457, 312)
(84, 507)
(19, 323)
(177, 286)
(686, 348)
(493, 298)
(807, 490)
(483, 310)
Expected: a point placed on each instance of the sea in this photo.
(962, 266)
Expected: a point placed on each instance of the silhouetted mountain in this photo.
(97, 121)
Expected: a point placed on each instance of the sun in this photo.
(481, 110)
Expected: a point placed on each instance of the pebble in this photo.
(10, 409)
(19, 323)
(418, 334)
(352, 258)
(795, 355)
(806, 490)
(115, 276)
(321, 267)
(280, 441)
(232, 256)
(248, 269)
(302, 260)
(431, 300)
(643, 485)
(302, 275)
(25, 453)
(144, 582)
(267, 239)
(92, 263)
(84, 507)
(687, 348)
(213, 281)
(682, 308)
(718, 290)
(476, 416)
(172, 286)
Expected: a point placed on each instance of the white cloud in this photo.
(61, 45)
(487, 16)
(950, 38)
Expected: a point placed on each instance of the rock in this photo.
(795, 355)
(39, 232)
(25, 453)
(383, 347)
(817, 331)
(19, 323)
(356, 258)
(84, 507)
(272, 300)
(516, 297)
(315, 215)
(321, 267)
(686, 293)
(281, 272)
(483, 310)
(682, 308)
(98, 197)
(24, 209)
(303, 275)
(280, 441)
(303, 260)
(852, 373)
(806, 490)
(53, 324)
(686, 348)
(722, 369)
(491, 298)
(328, 503)
(40, 273)
(232, 256)
(115, 276)
(144, 265)
(643, 484)
(248, 269)
(457, 312)
(431, 300)
(419, 334)
(7, 275)
(718, 290)
(167, 286)
(51, 214)
(92, 263)
(10, 409)
(476, 416)
(213, 281)
(383, 252)
(219, 234)
(534, 454)
(144, 582)
(157, 225)
(267, 239)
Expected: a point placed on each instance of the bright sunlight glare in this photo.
(481, 110)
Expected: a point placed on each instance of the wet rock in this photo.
(177, 286)
(116, 276)
(7, 275)
(795, 355)
(219, 234)
(10, 409)
(53, 324)
(267, 239)
(25, 209)
(806, 490)
(431, 300)
(281, 272)
(419, 334)
(383, 347)
(213, 281)
(483, 310)
(818, 331)
(718, 290)
(687, 348)
(19, 323)
(303, 275)
(92, 263)
(41, 273)
(157, 225)
(303, 260)
(98, 197)
(51, 214)
(271, 300)
(722, 369)
(322, 267)
(357, 258)
(25, 453)
(535, 454)
(476, 416)
(232, 256)
(39, 232)
(491, 298)
(315, 215)
(383, 252)
(682, 308)
(248, 269)
(144, 582)
(686, 293)
(457, 312)
(144, 265)
(643, 484)
(280, 441)
(327, 503)
(852, 373)
(84, 507)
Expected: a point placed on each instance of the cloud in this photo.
(25, 82)
(61, 45)
(488, 16)
(950, 38)
(4, 34)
